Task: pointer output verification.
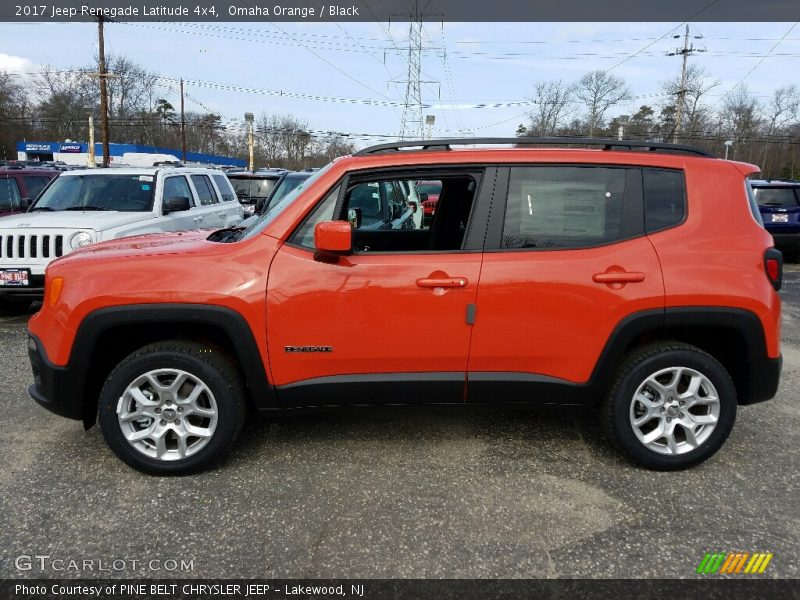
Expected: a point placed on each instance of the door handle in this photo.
(618, 277)
(442, 282)
(198, 219)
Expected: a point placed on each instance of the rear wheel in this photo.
(172, 407)
(671, 406)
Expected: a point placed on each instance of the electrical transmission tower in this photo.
(685, 52)
(412, 124)
(413, 121)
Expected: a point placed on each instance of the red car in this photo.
(20, 186)
(431, 189)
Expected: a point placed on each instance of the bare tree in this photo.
(739, 113)
(782, 110)
(14, 109)
(551, 107)
(599, 92)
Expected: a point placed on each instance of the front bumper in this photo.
(53, 387)
(34, 291)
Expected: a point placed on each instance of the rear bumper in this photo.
(765, 375)
(53, 387)
(786, 241)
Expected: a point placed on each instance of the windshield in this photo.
(125, 193)
(279, 205)
(252, 188)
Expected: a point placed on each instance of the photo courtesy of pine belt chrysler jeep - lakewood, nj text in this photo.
(568, 271)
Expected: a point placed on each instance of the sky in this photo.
(349, 77)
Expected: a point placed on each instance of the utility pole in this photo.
(684, 52)
(103, 89)
(183, 127)
(92, 164)
(248, 116)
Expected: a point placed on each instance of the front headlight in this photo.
(80, 239)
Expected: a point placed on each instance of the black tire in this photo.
(213, 368)
(11, 306)
(635, 369)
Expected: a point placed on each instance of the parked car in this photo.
(601, 277)
(779, 204)
(431, 191)
(86, 206)
(19, 186)
(252, 187)
(289, 182)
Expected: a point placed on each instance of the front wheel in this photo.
(172, 407)
(670, 406)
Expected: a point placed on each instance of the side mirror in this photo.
(354, 217)
(333, 239)
(25, 203)
(176, 204)
(413, 206)
(422, 196)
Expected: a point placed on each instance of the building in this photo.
(76, 153)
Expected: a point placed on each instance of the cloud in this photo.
(16, 64)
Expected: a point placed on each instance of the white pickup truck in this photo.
(90, 205)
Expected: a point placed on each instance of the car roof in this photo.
(774, 183)
(256, 175)
(143, 171)
(29, 170)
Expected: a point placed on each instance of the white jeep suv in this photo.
(90, 205)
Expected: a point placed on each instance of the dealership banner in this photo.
(177, 11)
(379, 589)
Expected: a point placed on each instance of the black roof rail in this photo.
(605, 143)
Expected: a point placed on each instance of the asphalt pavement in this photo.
(423, 492)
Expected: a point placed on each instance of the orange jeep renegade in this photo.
(630, 275)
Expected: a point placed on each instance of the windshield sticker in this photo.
(145, 178)
(145, 187)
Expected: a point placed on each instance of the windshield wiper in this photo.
(230, 234)
(41, 208)
(90, 207)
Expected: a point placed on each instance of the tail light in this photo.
(773, 266)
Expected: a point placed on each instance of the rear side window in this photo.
(224, 188)
(565, 207)
(664, 198)
(205, 191)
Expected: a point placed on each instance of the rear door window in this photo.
(567, 207)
